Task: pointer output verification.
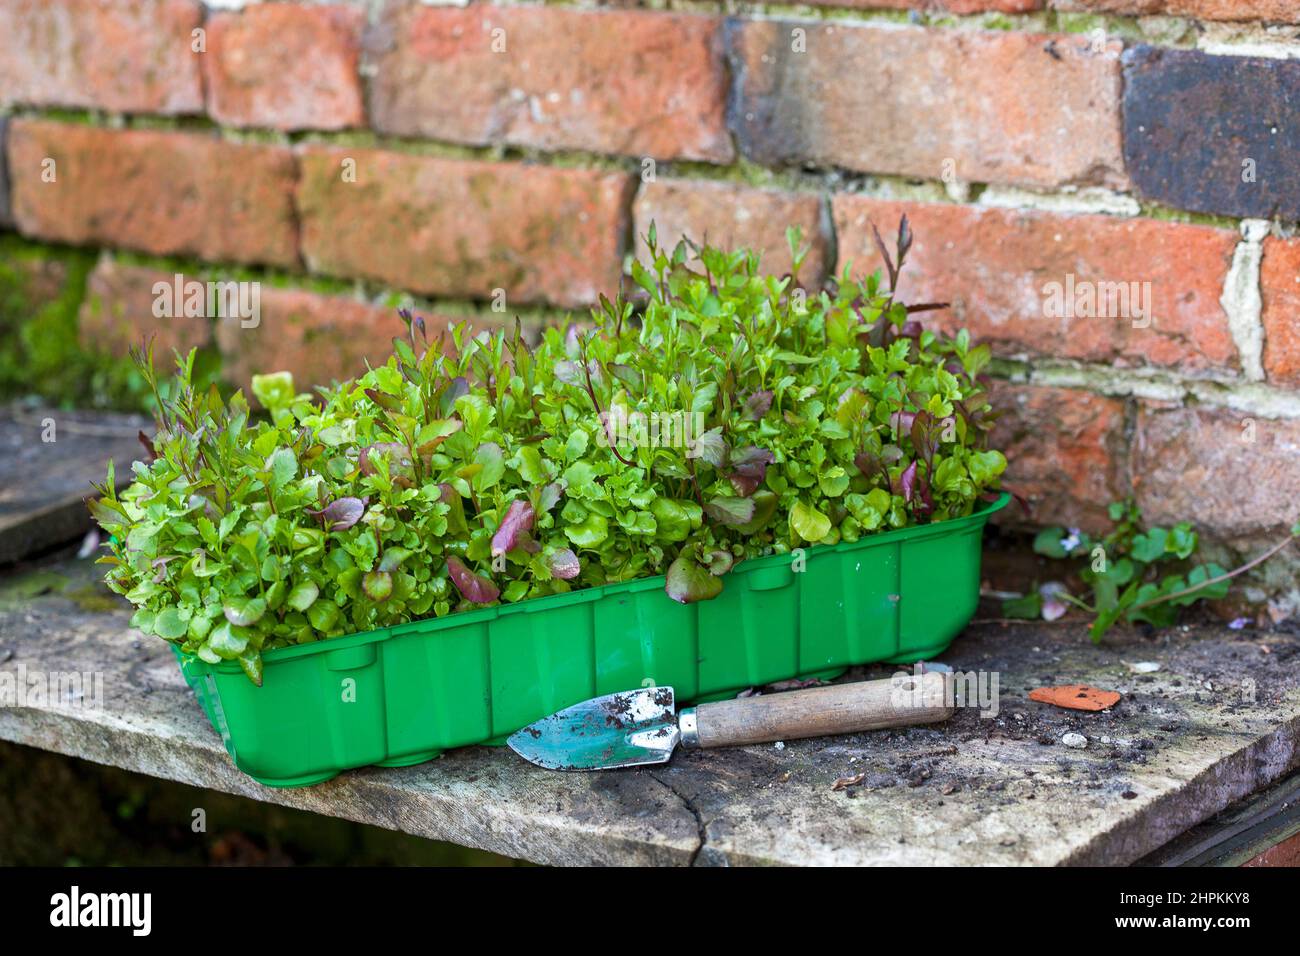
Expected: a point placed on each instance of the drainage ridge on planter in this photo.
(401, 695)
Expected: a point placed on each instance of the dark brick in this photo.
(1191, 120)
(5, 218)
(1274, 11)
(984, 105)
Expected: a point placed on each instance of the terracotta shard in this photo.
(1076, 696)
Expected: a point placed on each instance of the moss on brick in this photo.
(1169, 214)
(42, 288)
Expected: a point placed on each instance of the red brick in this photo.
(458, 228)
(1066, 453)
(939, 6)
(993, 265)
(118, 314)
(1274, 11)
(629, 82)
(162, 193)
(981, 106)
(287, 66)
(1285, 853)
(129, 56)
(319, 338)
(6, 218)
(1279, 280)
(1234, 474)
(733, 216)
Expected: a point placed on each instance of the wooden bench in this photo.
(1219, 721)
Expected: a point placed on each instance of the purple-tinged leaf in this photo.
(902, 422)
(688, 581)
(517, 521)
(757, 405)
(709, 447)
(472, 587)
(161, 564)
(572, 341)
(720, 562)
(398, 455)
(924, 435)
(730, 511)
(927, 307)
(904, 240)
(907, 482)
(749, 468)
(341, 514)
(573, 373)
(550, 496)
(447, 428)
(449, 496)
(457, 387)
(564, 564)
(378, 585)
(884, 255)
(385, 401)
(867, 463)
(150, 451)
(1054, 606)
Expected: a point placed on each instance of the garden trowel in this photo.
(638, 727)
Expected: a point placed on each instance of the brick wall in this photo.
(493, 158)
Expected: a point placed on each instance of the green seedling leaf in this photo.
(759, 420)
(688, 581)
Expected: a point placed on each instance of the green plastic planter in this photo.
(403, 694)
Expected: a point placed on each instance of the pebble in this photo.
(1144, 667)
(779, 745)
(1077, 741)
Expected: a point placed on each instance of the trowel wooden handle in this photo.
(817, 712)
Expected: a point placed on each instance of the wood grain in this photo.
(824, 711)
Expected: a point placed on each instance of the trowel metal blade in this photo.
(628, 729)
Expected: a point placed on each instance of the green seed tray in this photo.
(401, 695)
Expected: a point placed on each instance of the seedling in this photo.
(478, 470)
(1134, 573)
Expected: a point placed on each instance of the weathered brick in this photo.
(287, 66)
(733, 216)
(974, 6)
(130, 56)
(1217, 134)
(6, 217)
(1279, 281)
(118, 314)
(631, 82)
(983, 107)
(1273, 11)
(994, 266)
(163, 193)
(1233, 474)
(1066, 453)
(960, 7)
(458, 228)
(319, 338)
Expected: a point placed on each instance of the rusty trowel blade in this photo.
(628, 729)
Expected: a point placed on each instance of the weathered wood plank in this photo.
(48, 458)
(1218, 721)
